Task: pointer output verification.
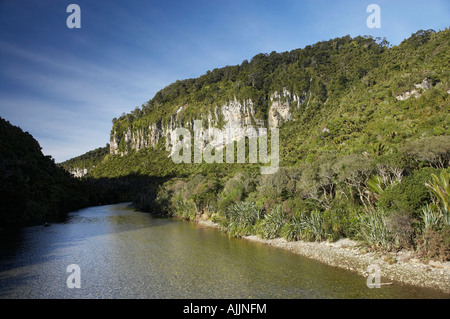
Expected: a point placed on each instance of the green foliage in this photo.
(184, 208)
(440, 188)
(433, 151)
(33, 189)
(294, 229)
(433, 217)
(375, 231)
(241, 218)
(433, 241)
(375, 185)
(271, 225)
(379, 149)
(408, 196)
(314, 229)
(88, 160)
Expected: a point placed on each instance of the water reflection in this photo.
(123, 253)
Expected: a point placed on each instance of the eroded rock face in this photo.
(235, 116)
(79, 172)
(280, 110)
(425, 85)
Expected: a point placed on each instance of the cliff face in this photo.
(78, 172)
(233, 116)
(424, 86)
(281, 104)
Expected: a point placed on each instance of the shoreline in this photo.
(401, 267)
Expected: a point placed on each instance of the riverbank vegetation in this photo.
(401, 217)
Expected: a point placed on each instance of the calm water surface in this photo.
(123, 253)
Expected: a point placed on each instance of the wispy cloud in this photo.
(64, 86)
(61, 97)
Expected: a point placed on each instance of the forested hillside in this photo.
(81, 165)
(35, 190)
(32, 187)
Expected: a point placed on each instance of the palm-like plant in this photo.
(433, 217)
(314, 222)
(241, 217)
(375, 185)
(440, 188)
(378, 149)
(375, 231)
(271, 225)
(294, 229)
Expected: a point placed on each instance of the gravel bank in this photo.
(348, 254)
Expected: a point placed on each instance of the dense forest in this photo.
(365, 156)
(32, 187)
(35, 190)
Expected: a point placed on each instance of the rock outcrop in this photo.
(425, 85)
(235, 116)
(280, 110)
(79, 172)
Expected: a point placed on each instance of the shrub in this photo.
(184, 208)
(314, 230)
(309, 226)
(401, 226)
(409, 196)
(433, 241)
(339, 223)
(440, 188)
(435, 244)
(433, 151)
(241, 218)
(374, 230)
(271, 225)
(433, 217)
(294, 228)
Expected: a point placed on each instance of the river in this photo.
(124, 253)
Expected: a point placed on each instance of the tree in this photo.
(433, 150)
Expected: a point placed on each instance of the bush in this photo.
(375, 232)
(433, 151)
(314, 226)
(435, 244)
(339, 223)
(440, 188)
(294, 228)
(184, 208)
(241, 218)
(434, 240)
(433, 217)
(410, 195)
(271, 225)
(402, 228)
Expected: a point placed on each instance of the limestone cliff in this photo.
(78, 172)
(234, 116)
(425, 85)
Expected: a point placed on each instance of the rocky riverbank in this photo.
(402, 266)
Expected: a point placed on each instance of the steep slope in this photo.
(338, 96)
(32, 187)
(79, 166)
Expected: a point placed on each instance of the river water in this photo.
(124, 253)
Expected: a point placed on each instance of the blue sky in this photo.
(64, 85)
